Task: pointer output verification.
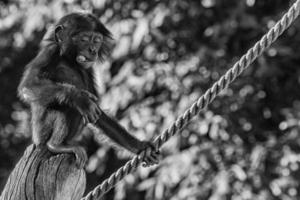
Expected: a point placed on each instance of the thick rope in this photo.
(203, 101)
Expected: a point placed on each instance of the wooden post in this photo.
(40, 175)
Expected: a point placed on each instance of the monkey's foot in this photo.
(79, 152)
(80, 155)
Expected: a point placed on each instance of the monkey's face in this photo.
(88, 46)
(83, 47)
(82, 38)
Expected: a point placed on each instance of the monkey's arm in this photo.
(35, 88)
(118, 134)
(45, 92)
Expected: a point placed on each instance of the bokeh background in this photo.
(165, 55)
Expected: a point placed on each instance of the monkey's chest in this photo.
(73, 77)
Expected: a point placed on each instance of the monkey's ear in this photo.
(58, 33)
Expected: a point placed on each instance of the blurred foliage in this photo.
(165, 55)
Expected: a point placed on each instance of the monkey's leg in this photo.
(56, 142)
(41, 131)
(118, 134)
(79, 152)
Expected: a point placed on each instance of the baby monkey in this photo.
(59, 86)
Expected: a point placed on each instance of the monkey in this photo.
(59, 86)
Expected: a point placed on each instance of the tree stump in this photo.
(40, 175)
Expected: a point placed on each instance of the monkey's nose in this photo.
(93, 50)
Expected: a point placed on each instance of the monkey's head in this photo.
(81, 37)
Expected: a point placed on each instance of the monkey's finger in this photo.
(87, 119)
(154, 160)
(95, 117)
(155, 157)
(146, 161)
(90, 95)
(99, 111)
(93, 98)
(156, 153)
(83, 159)
(91, 119)
(80, 112)
(80, 163)
(84, 120)
(77, 160)
(150, 159)
(150, 151)
(146, 164)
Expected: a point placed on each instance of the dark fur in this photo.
(60, 92)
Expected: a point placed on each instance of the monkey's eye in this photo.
(85, 38)
(98, 40)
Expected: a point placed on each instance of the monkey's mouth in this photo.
(84, 60)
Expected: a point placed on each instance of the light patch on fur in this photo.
(80, 58)
(26, 94)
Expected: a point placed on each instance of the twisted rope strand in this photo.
(203, 101)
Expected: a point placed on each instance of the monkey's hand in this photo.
(80, 155)
(87, 106)
(151, 156)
